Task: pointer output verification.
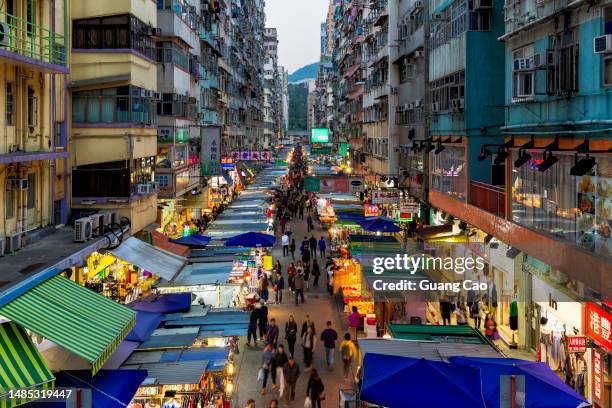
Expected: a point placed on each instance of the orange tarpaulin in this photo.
(161, 241)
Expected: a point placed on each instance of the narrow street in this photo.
(320, 307)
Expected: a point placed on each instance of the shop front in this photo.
(599, 319)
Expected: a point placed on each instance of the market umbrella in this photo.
(543, 388)
(192, 241)
(252, 240)
(379, 224)
(394, 381)
(170, 303)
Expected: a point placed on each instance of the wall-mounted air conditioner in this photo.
(83, 230)
(602, 44)
(13, 242)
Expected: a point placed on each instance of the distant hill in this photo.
(304, 73)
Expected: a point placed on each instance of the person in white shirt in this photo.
(285, 243)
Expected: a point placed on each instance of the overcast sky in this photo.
(299, 27)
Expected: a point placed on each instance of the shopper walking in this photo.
(278, 362)
(322, 247)
(291, 272)
(461, 314)
(313, 246)
(309, 344)
(490, 326)
(278, 289)
(291, 373)
(306, 324)
(316, 272)
(475, 311)
(298, 285)
(348, 352)
(272, 333)
(446, 309)
(263, 287)
(291, 334)
(285, 244)
(263, 319)
(309, 225)
(315, 389)
(353, 322)
(292, 248)
(252, 328)
(329, 337)
(267, 355)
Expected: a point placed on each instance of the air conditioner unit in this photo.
(13, 242)
(16, 184)
(457, 104)
(419, 54)
(418, 103)
(438, 17)
(602, 44)
(157, 95)
(483, 4)
(97, 223)
(154, 186)
(522, 64)
(83, 230)
(5, 31)
(192, 99)
(540, 60)
(157, 32)
(200, 116)
(435, 107)
(110, 217)
(2, 241)
(143, 188)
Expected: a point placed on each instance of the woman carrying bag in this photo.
(309, 342)
(314, 390)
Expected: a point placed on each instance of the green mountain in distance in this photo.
(306, 72)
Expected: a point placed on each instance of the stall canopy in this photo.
(252, 240)
(109, 388)
(426, 383)
(182, 372)
(379, 224)
(145, 256)
(122, 353)
(73, 317)
(543, 388)
(169, 338)
(169, 303)
(146, 323)
(443, 334)
(21, 365)
(431, 350)
(192, 241)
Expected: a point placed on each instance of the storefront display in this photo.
(599, 319)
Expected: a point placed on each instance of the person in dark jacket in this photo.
(307, 322)
(272, 333)
(292, 248)
(279, 361)
(280, 285)
(291, 372)
(291, 334)
(315, 388)
(446, 309)
(313, 246)
(263, 319)
(322, 247)
(309, 223)
(316, 272)
(252, 330)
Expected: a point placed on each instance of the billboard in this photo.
(333, 184)
(211, 144)
(319, 135)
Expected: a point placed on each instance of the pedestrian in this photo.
(263, 287)
(316, 272)
(446, 309)
(291, 373)
(475, 312)
(308, 323)
(291, 272)
(278, 289)
(301, 210)
(308, 205)
(267, 355)
(263, 318)
(322, 247)
(292, 248)
(252, 328)
(291, 334)
(288, 230)
(461, 314)
(250, 403)
(315, 389)
(306, 254)
(285, 244)
(283, 223)
(306, 275)
(298, 285)
(272, 333)
(348, 352)
(309, 344)
(490, 326)
(279, 361)
(353, 322)
(329, 337)
(313, 246)
(309, 223)
(273, 404)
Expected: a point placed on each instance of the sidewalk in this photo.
(321, 309)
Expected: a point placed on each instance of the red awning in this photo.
(161, 241)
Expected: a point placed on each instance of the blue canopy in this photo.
(379, 224)
(109, 388)
(170, 303)
(543, 388)
(252, 240)
(391, 381)
(146, 323)
(192, 241)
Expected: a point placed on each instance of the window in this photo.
(447, 89)
(32, 108)
(31, 17)
(608, 71)
(9, 204)
(125, 104)
(31, 190)
(163, 180)
(10, 104)
(523, 80)
(562, 73)
(171, 53)
(448, 171)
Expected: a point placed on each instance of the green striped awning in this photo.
(73, 317)
(21, 365)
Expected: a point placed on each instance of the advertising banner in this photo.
(312, 185)
(252, 155)
(599, 325)
(370, 210)
(320, 150)
(385, 197)
(319, 135)
(265, 156)
(211, 158)
(576, 344)
(597, 375)
(355, 185)
(227, 163)
(409, 205)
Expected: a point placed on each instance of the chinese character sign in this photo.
(599, 325)
(370, 210)
(211, 155)
(252, 155)
(597, 375)
(385, 197)
(576, 344)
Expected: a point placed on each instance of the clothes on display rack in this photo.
(514, 315)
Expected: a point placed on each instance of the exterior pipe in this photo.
(551, 124)
(560, 132)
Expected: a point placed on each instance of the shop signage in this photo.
(355, 185)
(385, 197)
(334, 184)
(576, 344)
(319, 135)
(370, 210)
(343, 149)
(599, 325)
(409, 206)
(252, 155)
(227, 163)
(312, 184)
(597, 375)
(320, 150)
(211, 158)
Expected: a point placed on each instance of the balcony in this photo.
(36, 44)
(488, 198)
